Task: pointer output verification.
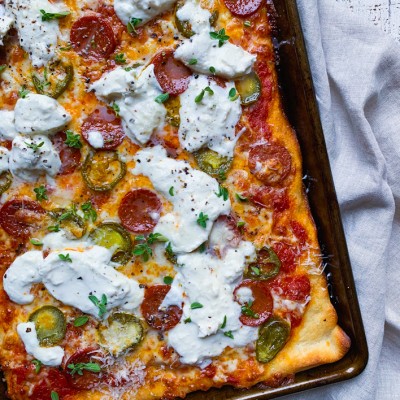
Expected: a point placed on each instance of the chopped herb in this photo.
(36, 242)
(213, 70)
(195, 306)
(54, 395)
(247, 24)
(144, 249)
(170, 254)
(222, 175)
(202, 220)
(80, 321)
(23, 92)
(202, 247)
(193, 61)
(89, 212)
(73, 140)
(120, 58)
(54, 228)
(46, 16)
(224, 323)
(3, 68)
(171, 191)
(246, 310)
(116, 109)
(133, 23)
(34, 146)
(80, 367)
(156, 237)
(65, 258)
(200, 97)
(100, 304)
(233, 94)
(229, 334)
(38, 365)
(162, 98)
(223, 192)
(66, 48)
(187, 320)
(168, 280)
(221, 36)
(241, 224)
(256, 270)
(41, 193)
(240, 197)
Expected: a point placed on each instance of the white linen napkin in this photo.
(356, 72)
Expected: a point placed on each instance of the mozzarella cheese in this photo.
(209, 281)
(229, 61)
(28, 163)
(194, 192)
(89, 273)
(7, 125)
(50, 356)
(145, 10)
(135, 93)
(39, 114)
(4, 154)
(212, 121)
(95, 139)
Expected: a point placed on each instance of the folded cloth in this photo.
(356, 72)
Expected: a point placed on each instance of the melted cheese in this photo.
(194, 193)
(7, 126)
(210, 122)
(4, 154)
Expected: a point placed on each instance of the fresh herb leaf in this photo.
(233, 94)
(23, 92)
(256, 271)
(73, 140)
(202, 220)
(171, 256)
(116, 109)
(213, 70)
(80, 367)
(156, 237)
(80, 321)
(229, 334)
(240, 197)
(223, 192)
(46, 16)
(193, 61)
(223, 326)
(38, 365)
(54, 228)
(100, 304)
(246, 310)
(120, 58)
(54, 395)
(66, 48)
(144, 250)
(247, 24)
(241, 224)
(168, 280)
(222, 175)
(200, 97)
(65, 258)
(202, 248)
(34, 146)
(162, 98)
(36, 242)
(3, 68)
(187, 320)
(196, 305)
(89, 212)
(171, 191)
(41, 193)
(133, 23)
(221, 36)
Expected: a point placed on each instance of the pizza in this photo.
(155, 235)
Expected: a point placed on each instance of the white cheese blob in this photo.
(29, 163)
(209, 281)
(141, 9)
(244, 295)
(135, 93)
(50, 356)
(89, 273)
(95, 139)
(4, 154)
(210, 122)
(39, 114)
(229, 61)
(194, 193)
(6, 21)
(37, 37)
(7, 125)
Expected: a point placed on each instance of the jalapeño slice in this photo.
(249, 88)
(266, 267)
(213, 163)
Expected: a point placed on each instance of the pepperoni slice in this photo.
(288, 256)
(88, 379)
(271, 198)
(262, 305)
(139, 211)
(92, 37)
(162, 320)
(104, 122)
(243, 8)
(225, 234)
(270, 163)
(55, 381)
(20, 218)
(299, 232)
(295, 288)
(70, 156)
(172, 75)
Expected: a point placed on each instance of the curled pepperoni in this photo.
(139, 211)
(70, 156)
(172, 75)
(54, 381)
(270, 163)
(262, 305)
(295, 288)
(288, 255)
(271, 198)
(104, 122)
(225, 234)
(162, 320)
(20, 218)
(92, 37)
(88, 379)
(243, 8)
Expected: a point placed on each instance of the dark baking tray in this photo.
(302, 110)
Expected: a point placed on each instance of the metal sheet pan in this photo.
(301, 108)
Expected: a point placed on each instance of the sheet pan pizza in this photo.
(155, 236)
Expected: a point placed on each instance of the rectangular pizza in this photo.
(155, 234)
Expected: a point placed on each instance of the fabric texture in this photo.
(356, 73)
